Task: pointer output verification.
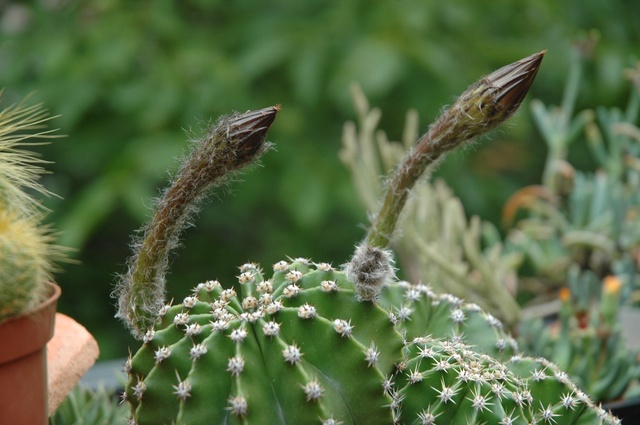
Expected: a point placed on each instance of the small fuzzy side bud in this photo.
(370, 269)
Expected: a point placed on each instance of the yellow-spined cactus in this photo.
(26, 251)
(24, 263)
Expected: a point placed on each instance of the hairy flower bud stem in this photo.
(486, 104)
(235, 142)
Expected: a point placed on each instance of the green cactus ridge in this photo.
(299, 348)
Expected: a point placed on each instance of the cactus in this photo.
(24, 263)
(314, 344)
(27, 254)
(299, 348)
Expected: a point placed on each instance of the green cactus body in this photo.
(288, 350)
(449, 383)
(446, 317)
(299, 348)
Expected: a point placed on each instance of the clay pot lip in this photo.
(28, 332)
(54, 294)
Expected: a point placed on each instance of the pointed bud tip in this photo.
(514, 80)
(255, 119)
(249, 129)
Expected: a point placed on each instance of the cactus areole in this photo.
(307, 343)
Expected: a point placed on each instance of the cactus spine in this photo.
(314, 345)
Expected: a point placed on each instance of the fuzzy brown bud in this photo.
(234, 142)
(483, 106)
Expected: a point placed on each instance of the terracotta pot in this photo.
(23, 364)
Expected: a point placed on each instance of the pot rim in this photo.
(37, 323)
(54, 294)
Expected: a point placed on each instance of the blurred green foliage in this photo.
(128, 78)
(86, 406)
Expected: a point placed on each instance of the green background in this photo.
(133, 81)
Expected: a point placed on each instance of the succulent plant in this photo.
(89, 406)
(587, 341)
(313, 344)
(24, 266)
(580, 238)
(298, 347)
(578, 217)
(26, 251)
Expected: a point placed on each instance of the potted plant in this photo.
(314, 344)
(27, 295)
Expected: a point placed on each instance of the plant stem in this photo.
(486, 104)
(235, 142)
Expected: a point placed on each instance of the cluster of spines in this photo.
(448, 382)
(299, 347)
(418, 311)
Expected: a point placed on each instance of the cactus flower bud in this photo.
(234, 142)
(482, 107)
